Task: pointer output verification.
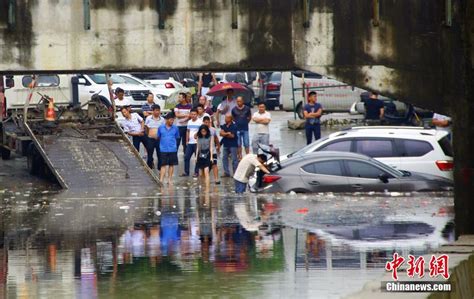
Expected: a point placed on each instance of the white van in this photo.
(333, 95)
(58, 87)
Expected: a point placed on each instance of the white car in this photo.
(404, 148)
(160, 97)
(90, 84)
(165, 82)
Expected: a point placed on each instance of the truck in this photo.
(77, 143)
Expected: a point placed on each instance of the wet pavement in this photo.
(186, 240)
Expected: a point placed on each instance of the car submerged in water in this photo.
(343, 172)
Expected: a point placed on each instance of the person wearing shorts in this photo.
(216, 148)
(242, 117)
(168, 134)
(204, 151)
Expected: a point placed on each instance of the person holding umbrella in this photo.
(227, 90)
(225, 107)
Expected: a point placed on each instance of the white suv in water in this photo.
(404, 148)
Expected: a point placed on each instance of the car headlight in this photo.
(127, 93)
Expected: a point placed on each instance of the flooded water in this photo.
(205, 244)
(184, 241)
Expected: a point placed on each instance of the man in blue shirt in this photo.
(168, 134)
(242, 116)
(229, 142)
(312, 113)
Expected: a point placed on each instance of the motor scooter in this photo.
(255, 183)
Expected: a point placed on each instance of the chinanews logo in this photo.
(438, 267)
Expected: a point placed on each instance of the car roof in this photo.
(390, 131)
(326, 155)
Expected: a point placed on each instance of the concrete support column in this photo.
(463, 134)
(463, 128)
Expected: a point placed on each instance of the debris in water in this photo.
(292, 193)
(302, 211)
(124, 207)
(157, 213)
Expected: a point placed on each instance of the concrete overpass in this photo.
(418, 51)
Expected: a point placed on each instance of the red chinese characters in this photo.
(416, 266)
(439, 266)
(394, 265)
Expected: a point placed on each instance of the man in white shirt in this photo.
(201, 112)
(262, 133)
(225, 107)
(152, 123)
(134, 126)
(246, 169)
(121, 100)
(191, 143)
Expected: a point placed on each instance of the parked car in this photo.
(258, 80)
(345, 172)
(90, 84)
(272, 91)
(409, 148)
(160, 98)
(165, 81)
(333, 95)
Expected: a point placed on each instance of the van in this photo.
(333, 95)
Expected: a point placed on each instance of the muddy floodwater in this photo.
(186, 241)
(191, 244)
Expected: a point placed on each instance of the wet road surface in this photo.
(186, 240)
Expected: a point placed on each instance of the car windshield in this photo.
(136, 81)
(100, 79)
(305, 149)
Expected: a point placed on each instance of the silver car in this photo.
(345, 172)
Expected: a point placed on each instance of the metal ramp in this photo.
(85, 158)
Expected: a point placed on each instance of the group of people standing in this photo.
(201, 132)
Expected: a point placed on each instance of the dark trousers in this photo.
(312, 130)
(136, 140)
(153, 146)
(190, 150)
(182, 138)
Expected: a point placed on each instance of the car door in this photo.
(365, 176)
(324, 176)
(382, 149)
(416, 155)
(88, 89)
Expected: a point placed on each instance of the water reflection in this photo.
(191, 242)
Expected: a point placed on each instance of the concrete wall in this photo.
(124, 35)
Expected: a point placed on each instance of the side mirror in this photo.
(383, 177)
(81, 81)
(9, 83)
